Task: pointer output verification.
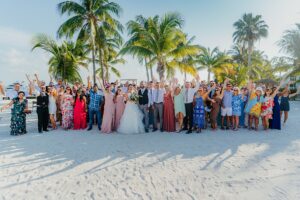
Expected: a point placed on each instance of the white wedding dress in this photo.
(131, 121)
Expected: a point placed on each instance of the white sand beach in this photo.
(158, 166)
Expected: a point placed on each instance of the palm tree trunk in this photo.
(250, 46)
(208, 75)
(106, 73)
(147, 71)
(161, 70)
(94, 64)
(101, 65)
(151, 72)
(184, 76)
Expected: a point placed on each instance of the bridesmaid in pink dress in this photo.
(109, 111)
(120, 106)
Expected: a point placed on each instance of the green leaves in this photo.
(161, 41)
(66, 58)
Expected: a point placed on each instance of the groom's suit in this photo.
(144, 105)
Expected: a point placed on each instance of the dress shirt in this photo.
(95, 99)
(189, 94)
(150, 96)
(227, 99)
(158, 95)
(13, 93)
(124, 89)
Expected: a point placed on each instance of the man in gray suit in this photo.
(158, 104)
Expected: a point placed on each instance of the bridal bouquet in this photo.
(134, 97)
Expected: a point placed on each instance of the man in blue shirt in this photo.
(96, 100)
(226, 110)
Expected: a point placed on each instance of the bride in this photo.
(131, 121)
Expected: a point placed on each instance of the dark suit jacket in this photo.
(143, 99)
(42, 102)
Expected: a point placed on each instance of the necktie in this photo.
(157, 93)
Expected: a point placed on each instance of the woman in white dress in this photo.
(132, 119)
(52, 107)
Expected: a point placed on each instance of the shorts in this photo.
(226, 112)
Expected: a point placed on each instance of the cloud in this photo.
(13, 37)
(16, 57)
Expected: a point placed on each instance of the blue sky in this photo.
(209, 20)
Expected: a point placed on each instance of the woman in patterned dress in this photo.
(67, 109)
(18, 114)
(237, 101)
(199, 111)
(268, 104)
(254, 107)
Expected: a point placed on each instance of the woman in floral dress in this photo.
(237, 101)
(268, 104)
(67, 109)
(18, 114)
(254, 107)
(199, 111)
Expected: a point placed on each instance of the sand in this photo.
(89, 165)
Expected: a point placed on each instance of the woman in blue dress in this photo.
(237, 101)
(243, 118)
(199, 108)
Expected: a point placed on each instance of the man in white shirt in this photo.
(189, 93)
(158, 99)
(14, 93)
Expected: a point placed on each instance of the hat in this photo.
(236, 88)
(259, 89)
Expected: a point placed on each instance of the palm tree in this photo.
(259, 61)
(85, 19)
(111, 60)
(161, 40)
(249, 30)
(281, 64)
(290, 44)
(66, 59)
(210, 59)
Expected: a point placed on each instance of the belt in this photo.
(158, 103)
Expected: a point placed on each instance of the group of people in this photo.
(156, 105)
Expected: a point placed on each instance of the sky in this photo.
(211, 21)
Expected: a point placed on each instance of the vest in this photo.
(143, 99)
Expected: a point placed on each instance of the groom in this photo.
(144, 104)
